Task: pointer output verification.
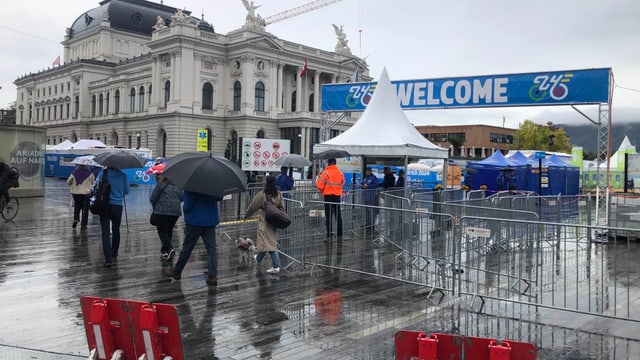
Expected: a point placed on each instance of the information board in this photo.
(261, 154)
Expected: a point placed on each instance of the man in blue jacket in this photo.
(119, 188)
(284, 182)
(200, 220)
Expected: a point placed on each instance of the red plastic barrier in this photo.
(133, 327)
(416, 345)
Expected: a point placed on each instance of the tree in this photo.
(456, 141)
(531, 136)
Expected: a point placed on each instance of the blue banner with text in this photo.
(531, 89)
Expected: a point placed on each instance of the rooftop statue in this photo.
(252, 21)
(342, 47)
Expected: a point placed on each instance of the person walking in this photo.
(330, 183)
(200, 221)
(165, 199)
(81, 181)
(119, 188)
(266, 236)
(370, 185)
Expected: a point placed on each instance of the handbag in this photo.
(154, 219)
(274, 215)
(99, 200)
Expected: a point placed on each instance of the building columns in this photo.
(316, 92)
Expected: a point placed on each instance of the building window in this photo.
(114, 138)
(292, 134)
(437, 137)
(500, 138)
(314, 138)
(106, 108)
(100, 104)
(55, 111)
(237, 95)
(30, 113)
(38, 92)
(232, 147)
(132, 100)
(37, 114)
(67, 106)
(293, 101)
(167, 92)
(77, 104)
(93, 105)
(61, 109)
(311, 103)
(116, 98)
(259, 101)
(333, 133)
(260, 134)
(150, 87)
(129, 142)
(48, 112)
(49, 90)
(207, 96)
(55, 88)
(141, 96)
(68, 86)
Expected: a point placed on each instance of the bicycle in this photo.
(9, 210)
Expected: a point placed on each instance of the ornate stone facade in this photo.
(155, 90)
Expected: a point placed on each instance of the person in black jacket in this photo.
(389, 180)
(400, 180)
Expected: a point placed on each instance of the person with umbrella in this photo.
(284, 182)
(81, 181)
(165, 200)
(193, 173)
(119, 183)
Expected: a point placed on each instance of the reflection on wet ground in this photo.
(45, 266)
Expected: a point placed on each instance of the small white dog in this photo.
(247, 250)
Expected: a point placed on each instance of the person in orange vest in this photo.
(330, 183)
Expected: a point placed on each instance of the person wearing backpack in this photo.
(266, 236)
(165, 199)
(119, 188)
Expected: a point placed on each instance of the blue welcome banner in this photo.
(531, 89)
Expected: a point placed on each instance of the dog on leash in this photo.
(247, 250)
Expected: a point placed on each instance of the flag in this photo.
(56, 61)
(304, 68)
(354, 77)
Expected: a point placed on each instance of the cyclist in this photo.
(8, 179)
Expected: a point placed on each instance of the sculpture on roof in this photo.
(179, 18)
(252, 21)
(342, 47)
(159, 23)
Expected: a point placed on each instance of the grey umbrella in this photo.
(331, 154)
(120, 160)
(293, 160)
(204, 173)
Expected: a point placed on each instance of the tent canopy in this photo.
(383, 130)
(62, 146)
(84, 144)
(520, 158)
(497, 160)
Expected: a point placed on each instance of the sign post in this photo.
(540, 155)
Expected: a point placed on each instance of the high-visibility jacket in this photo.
(330, 181)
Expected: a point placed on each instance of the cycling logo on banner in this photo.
(360, 95)
(554, 86)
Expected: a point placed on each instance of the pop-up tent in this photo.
(497, 173)
(562, 177)
(383, 131)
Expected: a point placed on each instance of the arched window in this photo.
(106, 108)
(207, 96)
(116, 98)
(237, 96)
(141, 99)
(114, 138)
(167, 92)
(132, 100)
(93, 107)
(77, 107)
(311, 103)
(100, 104)
(260, 134)
(259, 100)
(232, 147)
(161, 145)
(293, 101)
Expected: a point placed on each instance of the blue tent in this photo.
(561, 177)
(496, 173)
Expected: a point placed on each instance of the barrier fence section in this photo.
(495, 261)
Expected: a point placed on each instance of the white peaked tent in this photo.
(384, 131)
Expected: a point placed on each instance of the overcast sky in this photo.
(414, 39)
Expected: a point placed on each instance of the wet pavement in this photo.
(45, 266)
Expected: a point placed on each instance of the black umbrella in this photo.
(120, 160)
(331, 154)
(204, 173)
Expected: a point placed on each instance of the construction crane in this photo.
(302, 9)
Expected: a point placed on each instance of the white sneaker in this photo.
(273, 270)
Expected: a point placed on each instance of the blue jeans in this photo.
(275, 258)
(191, 235)
(110, 246)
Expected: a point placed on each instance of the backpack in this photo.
(99, 201)
(274, 215)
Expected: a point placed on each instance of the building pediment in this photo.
(267, 43)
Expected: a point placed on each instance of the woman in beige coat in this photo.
(266, 233)
(81, 180)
